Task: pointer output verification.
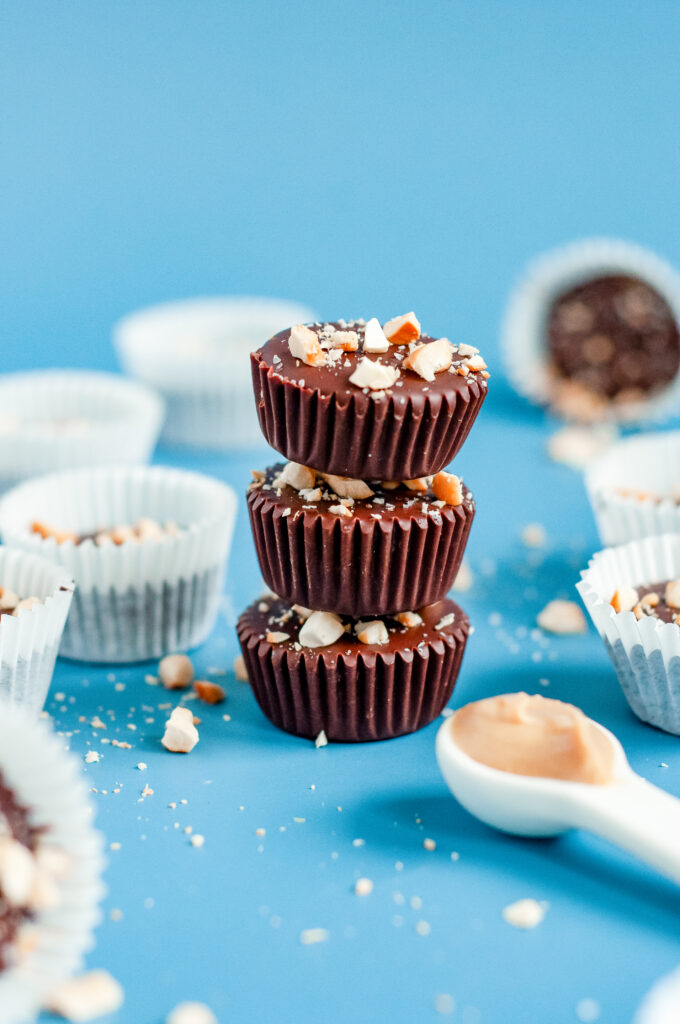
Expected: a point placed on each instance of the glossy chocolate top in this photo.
(614, 335)
(387, 504)
(272, 615)
(333, 378)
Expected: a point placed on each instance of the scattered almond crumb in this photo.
(525, 914)
(429, 844)
(92, 757)
(197, 840)
(311, 936)
(321, 740)
(578, 446)
(321, 629)
(464, 580)
(304, 344)
(209, 693)
(363, 886)
(624, 599)
(534, 535)
(141, 766)
(447, 487)
(181, 735)
(563, 617)
(444, 1004)
(276, 637)
(191, 1013)
(86, 997)
(176, 671)
(402, 330)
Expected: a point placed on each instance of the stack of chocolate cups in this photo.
(361, 533)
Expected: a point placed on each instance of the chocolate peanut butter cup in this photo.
(356, 407)
(396, 548)
(370, 681)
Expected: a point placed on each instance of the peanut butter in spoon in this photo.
(534, 736)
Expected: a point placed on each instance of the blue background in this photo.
(365, 158)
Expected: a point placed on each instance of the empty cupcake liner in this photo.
(523, 334)
(353, 697)
(46, 781)
(29, 641)
(61, 419)
(134, 601)
(362, 437)
(648, 464)
(358, 567)
(196, 353)
(645, 653)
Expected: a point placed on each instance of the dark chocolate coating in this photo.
(359, 566)
(354, 692)
(614, 335)
(313, 415)
(16, 818)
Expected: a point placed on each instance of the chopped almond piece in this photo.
(374, 632)
(305, 345)
(374, 375)
(562, 617)
(402, 330)
(346, 487)
(390, 485)
(430, 359)
(209, 693)
(321, 629)
(420, 484)
(240, 670)
(447, 487)
(86, 997)
(409, 619)
(276, 637)
(672, 595)
(374, 337)
(341, 510)
(624, 599)
(476, 363)
(181, 735)
(300, 477)
(176, 671)
(347, 341)
(61, 536)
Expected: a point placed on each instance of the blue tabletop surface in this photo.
(366, 158)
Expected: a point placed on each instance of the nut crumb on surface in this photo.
(363, 886)
(191, 1013)
(86, 997)
(312, 936)
(534, 535)
(562, 617)
(176, 671)
(525, 914)
(321, 740)
(208, 692)
(181, 735)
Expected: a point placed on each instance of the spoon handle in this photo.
(640, 818)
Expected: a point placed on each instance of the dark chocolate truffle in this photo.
(349, 690)
(391, 552)
(316, 416)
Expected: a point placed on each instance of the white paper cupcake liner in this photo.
(46, 781)
(661, 1005)
(197, 354)
(523, 334)
(103, 419)
(646, 463)
(29, 641)
(645, 653)
(133, 601)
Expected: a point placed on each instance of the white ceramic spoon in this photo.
(629, 812)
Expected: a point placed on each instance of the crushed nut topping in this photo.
(372, 374)
(321, 629)
(402, 330)
(374, 337)
(624, 599)
(447, 487)
(430, 359)
(304, 345)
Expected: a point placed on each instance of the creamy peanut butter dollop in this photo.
(534, 736)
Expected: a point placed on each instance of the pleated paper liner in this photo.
(355, 692)
(30, 640)
(61, 419)
(46, 781)
(133, 601)
(359, 566)
(360, 436)
(196, 353)
(647, 467)
(646, 652)
(523, 335)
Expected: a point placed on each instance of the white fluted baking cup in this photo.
(645, 653)
(661, 1005)
(648, 464)
(30, 640)
(523, 334)
(59, 419)
(133, 601)
(196, 352)
(45, 780)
